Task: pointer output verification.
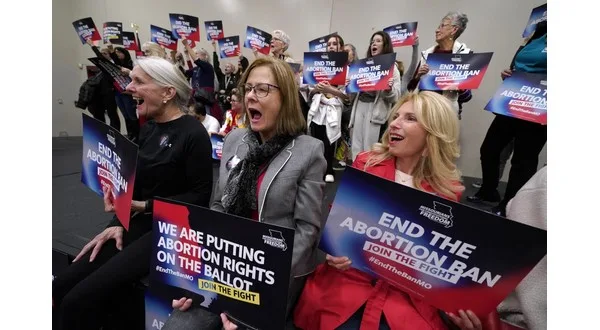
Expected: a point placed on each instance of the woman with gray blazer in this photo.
(272, 173)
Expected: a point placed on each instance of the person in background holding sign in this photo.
(446, 37)
(419, 150)
(102, 99)
(228, 78)
(280, 42)
(370, 110)
(174, 161)
(529, 137)
(272, 173)
(122, 58)
(203, 76)
(325, 115)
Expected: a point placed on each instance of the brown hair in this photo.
(400, 66)
(290, 120)
(387, 43)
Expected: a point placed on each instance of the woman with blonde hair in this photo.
(150, 48)
(418, 149)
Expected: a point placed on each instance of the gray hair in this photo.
(459, 20)
(279, 34)
(166, 74)
(353, 51)
(203, 51)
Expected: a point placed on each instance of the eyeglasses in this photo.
(443, 25)
(261, 89)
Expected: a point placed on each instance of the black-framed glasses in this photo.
(260, 89)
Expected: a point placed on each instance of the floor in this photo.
(77, 212)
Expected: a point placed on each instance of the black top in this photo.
(106, 84)
(174, 162)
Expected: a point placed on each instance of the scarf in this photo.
(239, 195)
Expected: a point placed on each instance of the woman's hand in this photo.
(327, 88)
(183, 304)
(89, 41)
(423, 69)
(109, 233)
(390, 83)
(341, 263)
(227, 325)
(505, 73)
(416, 43)
(108, 204)
(214, 44)
(319, 87)
(125, 71)
(138, 206)
(466, 321)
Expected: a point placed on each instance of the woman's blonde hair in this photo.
(438, 166)
(154, 49)
(290, 120)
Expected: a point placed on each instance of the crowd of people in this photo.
(282, 142)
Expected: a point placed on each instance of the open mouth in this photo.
(374, 50)
(255, 115)
(138, 100)
(396, 137)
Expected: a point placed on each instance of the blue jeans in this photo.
(126, 105)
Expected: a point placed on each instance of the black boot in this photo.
(481, 197)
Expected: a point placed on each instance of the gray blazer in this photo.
(291, 193)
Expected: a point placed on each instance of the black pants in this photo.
(84, 293)
(529, 139)
(320, 132)
(102, 104)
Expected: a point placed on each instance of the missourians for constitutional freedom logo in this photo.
(275, 239)
(440, 213)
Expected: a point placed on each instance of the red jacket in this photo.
(330, 296)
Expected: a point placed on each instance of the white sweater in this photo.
(526, 306)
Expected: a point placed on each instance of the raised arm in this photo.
(412, 68)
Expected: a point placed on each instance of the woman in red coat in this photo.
(419, 150)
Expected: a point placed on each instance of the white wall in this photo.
(494, 26)
(66, 77)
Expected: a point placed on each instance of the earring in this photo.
(164, 101)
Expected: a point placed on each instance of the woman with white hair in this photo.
(174, 162)
(280, 42)
(451, 27)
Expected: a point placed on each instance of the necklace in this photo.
(402, 177)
